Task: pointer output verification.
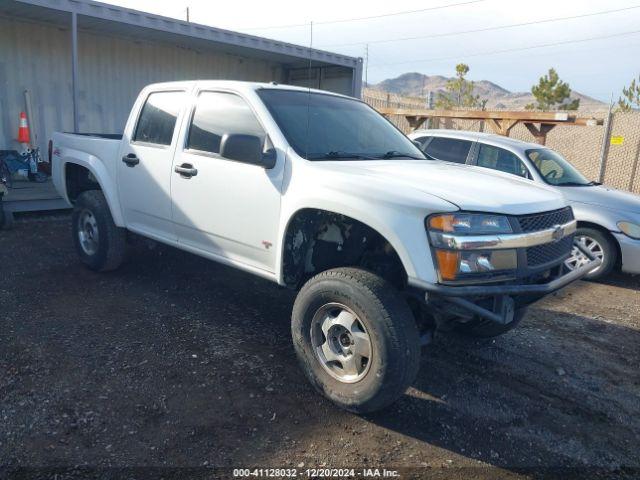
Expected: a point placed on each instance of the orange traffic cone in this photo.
(23, 130)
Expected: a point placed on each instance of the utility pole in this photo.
(366, 65)
(188, 15)
(429, 107)
(604, 151)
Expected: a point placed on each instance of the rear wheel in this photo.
(356, 339)
(100, 244)
(482, 328)
(600, 246)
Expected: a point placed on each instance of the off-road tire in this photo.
(112, 247)
(483, 328)
(394, 336)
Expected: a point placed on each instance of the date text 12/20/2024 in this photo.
(315, 473)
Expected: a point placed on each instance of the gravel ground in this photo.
(177, 361)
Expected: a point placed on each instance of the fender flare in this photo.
(393, 240)
(100, 173)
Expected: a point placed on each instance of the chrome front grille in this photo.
(542, 221)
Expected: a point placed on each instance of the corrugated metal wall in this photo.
(112, 71)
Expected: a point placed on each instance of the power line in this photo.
(478, 30)
(345, 20)
(508, 50)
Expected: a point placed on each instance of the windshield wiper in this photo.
(396, 154)
(575, 184)
(335, 154)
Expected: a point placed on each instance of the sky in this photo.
(599, 67)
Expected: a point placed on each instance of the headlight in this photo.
(630, 229)
(469, 223)
(469, 265)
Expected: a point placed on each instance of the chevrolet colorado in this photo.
(319, 193)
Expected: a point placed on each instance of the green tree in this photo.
(551, 93)
(630, 97)
(459, 92)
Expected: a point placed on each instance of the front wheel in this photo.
(355, 338)
(600, 246)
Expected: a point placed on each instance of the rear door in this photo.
(496, 158)
(225, 208)
(447, 149)
(144, 166)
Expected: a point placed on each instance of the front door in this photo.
(221, 207)
(144, 166)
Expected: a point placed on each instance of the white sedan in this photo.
(608, 219)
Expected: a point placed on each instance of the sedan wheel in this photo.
(579, 259)
(600, 245)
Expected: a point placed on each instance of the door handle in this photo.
(186, 170)
(131, 160)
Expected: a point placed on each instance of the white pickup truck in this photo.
(319, 193)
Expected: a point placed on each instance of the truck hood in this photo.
(468, 187)
(603, 196)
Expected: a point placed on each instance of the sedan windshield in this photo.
(328, 127)
(555, 169)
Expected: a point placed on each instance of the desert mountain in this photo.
(417, 85)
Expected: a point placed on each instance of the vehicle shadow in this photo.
(560, 391)
(550, 393)
(622, 280)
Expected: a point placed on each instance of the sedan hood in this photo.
(603, 196)
(469, 188)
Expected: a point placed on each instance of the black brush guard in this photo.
(504, 305)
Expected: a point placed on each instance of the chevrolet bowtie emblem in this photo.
(558, 233)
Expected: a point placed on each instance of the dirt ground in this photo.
(177, 361)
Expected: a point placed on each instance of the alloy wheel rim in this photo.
(341, 342)
(88, 234)
(579, 259)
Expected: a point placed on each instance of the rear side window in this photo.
(218, 113)
(157, 119)
(448, 149)
(500, 159)
(421, 140)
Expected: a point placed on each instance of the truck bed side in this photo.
(98, 154)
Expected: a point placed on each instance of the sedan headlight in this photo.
(630, 229)
(456, 265)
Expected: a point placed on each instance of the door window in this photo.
(502, 160)
(421, 140)
(218, 113)
(157, 119)
(448, 149)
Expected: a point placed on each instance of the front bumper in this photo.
(504, 305)
(630, 251)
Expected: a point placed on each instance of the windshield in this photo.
(555, 169)
(327, 127)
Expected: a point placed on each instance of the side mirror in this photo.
(247, 149)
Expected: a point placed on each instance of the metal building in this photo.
(78, 65)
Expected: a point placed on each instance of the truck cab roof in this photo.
(236, 85)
